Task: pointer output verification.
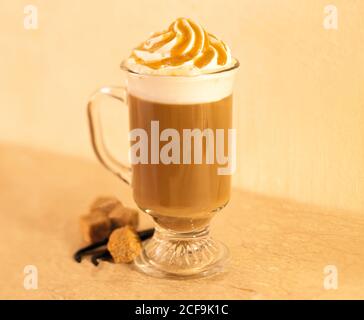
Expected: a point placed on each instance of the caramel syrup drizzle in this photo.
(206, 45)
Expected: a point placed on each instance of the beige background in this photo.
(299, 94)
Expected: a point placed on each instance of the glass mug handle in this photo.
(100, 149)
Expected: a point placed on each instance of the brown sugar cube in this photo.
(124, 245)
(105, 204)
(95, 226)
(122, 216)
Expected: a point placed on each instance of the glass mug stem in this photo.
(182, 255)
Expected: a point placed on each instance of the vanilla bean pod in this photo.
(143, 235)
(146, 234)
(86, 250)
(103, 255)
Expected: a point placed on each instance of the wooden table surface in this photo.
(279, 248)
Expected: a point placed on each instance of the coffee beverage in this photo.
(182, 90)
(181, 197)
(179, 85)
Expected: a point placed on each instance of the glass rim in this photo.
(236, 65)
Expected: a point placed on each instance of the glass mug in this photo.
(182, 154)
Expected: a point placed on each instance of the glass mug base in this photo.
(182, 255)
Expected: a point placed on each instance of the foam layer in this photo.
(185, 48)
(181, 90)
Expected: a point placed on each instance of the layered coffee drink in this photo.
(183, 91)
(181, 196)
(179, 85)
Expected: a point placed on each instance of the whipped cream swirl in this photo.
(185, 48)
